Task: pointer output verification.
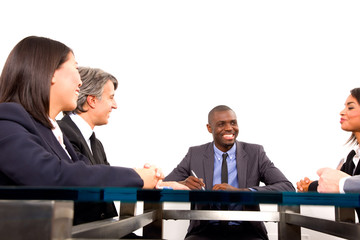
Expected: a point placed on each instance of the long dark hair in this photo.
(27, 73)
(356, 94)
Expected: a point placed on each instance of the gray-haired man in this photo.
(94, 105)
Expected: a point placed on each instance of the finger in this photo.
(298, 185)
(192, 184)
(158, 183)
(195, 181)
(215, 187)
(219, 187)
(159, 173)
(191, 178)
(301, 183)
(195, 187)
(320, 171)
(202, 182)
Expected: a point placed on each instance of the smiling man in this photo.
(94, 105)
(227, 164)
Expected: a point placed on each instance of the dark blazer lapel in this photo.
(208, 165)
(51, 141)
(357, 169)
(347, 165)
(73, 153)
(241, 164)
(80, 137)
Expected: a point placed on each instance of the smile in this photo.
(229, 136)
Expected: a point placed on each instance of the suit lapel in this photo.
(208, 165)
(347, 165)
(241, 164)
(357, 170)
(52, 142)
(80, 137)
(72, 152)
(350, 158)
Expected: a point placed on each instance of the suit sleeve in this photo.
(182, 171)
(270, 175)
(352, 184)
(26, 160)
(313, 186)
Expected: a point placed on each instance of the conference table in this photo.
(47, 212)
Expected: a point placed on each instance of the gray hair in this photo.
(93, 82)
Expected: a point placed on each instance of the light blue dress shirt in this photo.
(232, 176)
(231, 166)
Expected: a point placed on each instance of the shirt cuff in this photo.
(341, 184)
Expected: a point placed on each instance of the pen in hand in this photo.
(193, 173)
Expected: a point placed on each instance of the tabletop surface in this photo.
(168, 195)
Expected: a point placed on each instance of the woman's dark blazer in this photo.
(346, 168)
(30, 155)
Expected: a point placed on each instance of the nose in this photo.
(80, 82)
(228, 127)
(114, 105)
(342, 113)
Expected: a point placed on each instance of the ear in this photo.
(91, 101)
(209, 128)
(53, 79)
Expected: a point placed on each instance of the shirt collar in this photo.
(57, 131)
(357, 151)
(83, 126)
(231, 153)
(357, 155)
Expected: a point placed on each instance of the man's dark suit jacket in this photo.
(89, 211)
(253, 167)
(30, 155)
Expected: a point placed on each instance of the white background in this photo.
(285, 67)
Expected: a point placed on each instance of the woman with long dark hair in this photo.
(39, 80)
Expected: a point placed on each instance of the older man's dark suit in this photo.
(87, 212)
(253, 167)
